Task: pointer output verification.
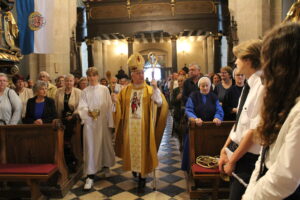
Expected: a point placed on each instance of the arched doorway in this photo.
(149, 71)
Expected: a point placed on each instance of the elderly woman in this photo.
(226, 83)
(40, 109)
(10, 103)
(95, 110)
(23, 92)
(60, 81)
(201, 106)
(82, 83)
(204, 105)
(67, 100)
(232, 96)
(51, 90)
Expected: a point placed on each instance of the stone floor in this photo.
(170, 180)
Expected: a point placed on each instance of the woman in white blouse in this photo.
(277, 171)
(10, 103)
(67, 100)
(23, 92)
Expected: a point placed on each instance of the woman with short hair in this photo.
(67, 100)
(82, 83)
(23, 92)
(216, 80)
(10, 103)
(231, 98)
(202, 105)
(40, 109)
(226, 83)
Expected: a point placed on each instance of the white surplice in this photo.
(97, 137)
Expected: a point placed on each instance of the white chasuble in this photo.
(97, 137)
(135, 126)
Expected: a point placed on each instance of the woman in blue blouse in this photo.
(202, 105)
(40, 109)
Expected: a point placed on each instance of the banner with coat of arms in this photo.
(36, 22)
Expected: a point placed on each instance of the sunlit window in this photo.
(149, 71)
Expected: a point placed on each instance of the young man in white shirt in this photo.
(240, 142)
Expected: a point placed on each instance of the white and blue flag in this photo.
(36, 26)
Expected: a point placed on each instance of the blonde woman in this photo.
(67, 100)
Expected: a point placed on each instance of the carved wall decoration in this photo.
(151, 9)
(194, 7)
(109, 12)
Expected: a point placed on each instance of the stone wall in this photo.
(255, 17)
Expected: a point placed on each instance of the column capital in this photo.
(90, 41)
(174, 37)
(130, 40)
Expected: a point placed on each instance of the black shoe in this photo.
(141, 183)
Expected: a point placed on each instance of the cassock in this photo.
(97, 135)
(140, 123)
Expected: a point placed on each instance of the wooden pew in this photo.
(30, 173)
(40, 144)
(207, 139)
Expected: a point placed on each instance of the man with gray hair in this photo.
(190, 84)
(51, 91)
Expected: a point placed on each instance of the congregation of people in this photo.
(261, 94)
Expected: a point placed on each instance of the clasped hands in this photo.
(199, 121)
(225, 165)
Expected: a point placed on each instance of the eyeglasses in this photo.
(239, 75)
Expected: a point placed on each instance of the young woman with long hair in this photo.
(277, 174)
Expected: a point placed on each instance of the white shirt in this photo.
(282, 160)
(156, 97)
(175, 84)
(250, 115)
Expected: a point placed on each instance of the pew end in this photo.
(207, 139)
(39, 144)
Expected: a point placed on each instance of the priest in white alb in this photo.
(95, 110)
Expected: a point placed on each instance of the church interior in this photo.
(103, 34)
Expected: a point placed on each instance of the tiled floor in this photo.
(170, 180)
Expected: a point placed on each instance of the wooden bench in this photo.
(40, 144)
(31, 173)
(207, 139)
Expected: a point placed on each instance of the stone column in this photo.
(204, 69)
(130, 49)
(89, 43)
(79, 60)
(174, 53)
(217, 53)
